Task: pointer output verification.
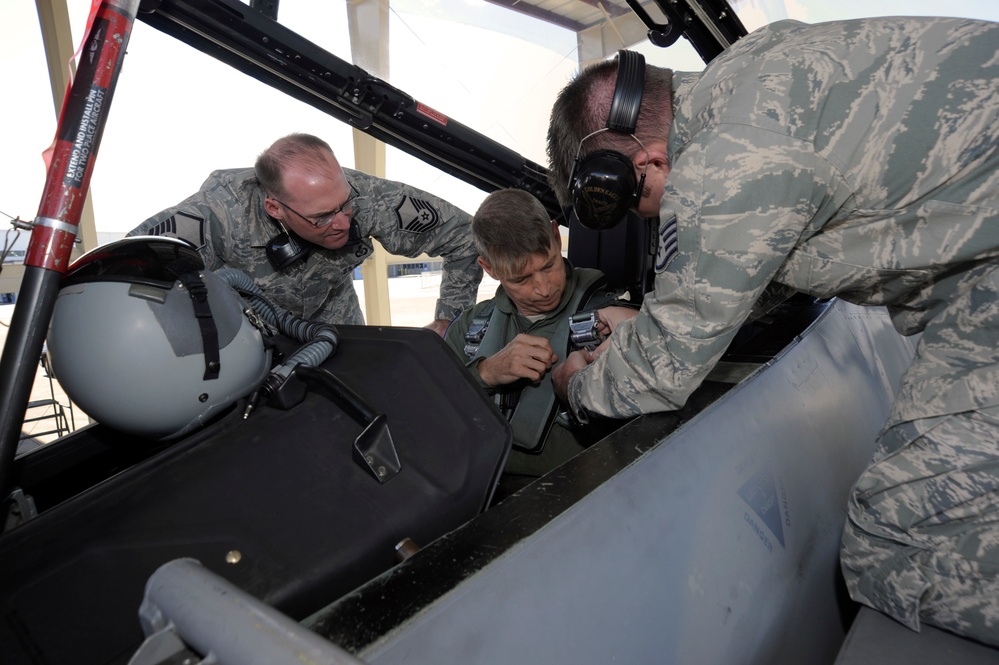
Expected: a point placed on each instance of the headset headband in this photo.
(602, 185)
(627, 92)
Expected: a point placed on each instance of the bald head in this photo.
(295, 150)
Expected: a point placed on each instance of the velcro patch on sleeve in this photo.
(417, 216)
(667, 249)
(181, 225)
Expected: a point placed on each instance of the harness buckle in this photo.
(583, 330)
(476, 332)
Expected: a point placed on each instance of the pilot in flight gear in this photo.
(511, 341)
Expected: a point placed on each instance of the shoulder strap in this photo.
(492, 323)
(536, 409)
(477, 329)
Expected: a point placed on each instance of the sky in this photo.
(177, 114)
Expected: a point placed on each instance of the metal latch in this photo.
(583, 330)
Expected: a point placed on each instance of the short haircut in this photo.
(297, 147)
(509, 227)
(583, 107)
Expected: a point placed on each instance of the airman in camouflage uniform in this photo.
(855, 159)
(233, 216)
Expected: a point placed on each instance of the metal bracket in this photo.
(374, 449)
(21, 509)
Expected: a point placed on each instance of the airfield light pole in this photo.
(78, 135)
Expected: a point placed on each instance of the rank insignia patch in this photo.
(181, 225)
(667, 249)
(417, 216)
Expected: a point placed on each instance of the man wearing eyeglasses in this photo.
(299, 224)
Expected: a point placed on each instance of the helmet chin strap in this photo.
(195, 286)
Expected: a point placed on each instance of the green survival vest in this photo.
(534, 406)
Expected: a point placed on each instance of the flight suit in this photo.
(584, 290)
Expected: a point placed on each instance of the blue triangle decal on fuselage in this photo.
(760, 492)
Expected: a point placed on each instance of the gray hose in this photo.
(319, 340)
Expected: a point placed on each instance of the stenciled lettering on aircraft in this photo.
(759, 532)
(783, 501)
(83, 142)
(760, 493)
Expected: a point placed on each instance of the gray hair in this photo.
(509, 227)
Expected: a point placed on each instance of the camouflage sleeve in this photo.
(201, 218)
(459, 283)
(422, 222)
(729, 218)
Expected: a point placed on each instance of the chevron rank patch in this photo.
(417, 216)
(667, 249)
(181, 225)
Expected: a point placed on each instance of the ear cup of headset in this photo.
(603, 185)
(283, 250)
(604, 188)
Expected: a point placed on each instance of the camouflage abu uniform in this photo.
(855, 159)
(225, 219)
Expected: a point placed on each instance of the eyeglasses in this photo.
(323, 220)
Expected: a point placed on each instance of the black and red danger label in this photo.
(428, 112)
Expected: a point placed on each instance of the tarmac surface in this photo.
(52, 414)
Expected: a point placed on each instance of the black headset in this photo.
(285, 249)
(603, 186)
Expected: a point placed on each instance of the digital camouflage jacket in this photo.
(225, 219)
(854, 159)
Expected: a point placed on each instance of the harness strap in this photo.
(530, 408)
(477, 330)
(203, 312)
(537, 407)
